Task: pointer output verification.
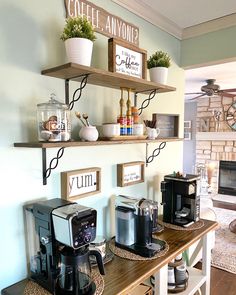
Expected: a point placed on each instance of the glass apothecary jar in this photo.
(54, 122)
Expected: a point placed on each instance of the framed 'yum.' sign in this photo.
(76, 184)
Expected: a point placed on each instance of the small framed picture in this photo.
(77, 184)
(187, 124)
(187, 135)
(127, 59)
(130, 173)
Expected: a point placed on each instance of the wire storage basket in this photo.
(177, 276)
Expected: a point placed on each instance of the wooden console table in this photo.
(124, 275)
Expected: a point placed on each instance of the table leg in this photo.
(161, 284)
(206, 264)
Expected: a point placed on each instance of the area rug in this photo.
(224, 252)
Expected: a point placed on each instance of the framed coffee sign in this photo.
(130, 173)
(76, 184)
(127, 59)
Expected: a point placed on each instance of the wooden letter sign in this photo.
(127, 59)
(80, 183)
(130, 173)
(102, 21)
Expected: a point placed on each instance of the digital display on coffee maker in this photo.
(83, 230)
(74, 225)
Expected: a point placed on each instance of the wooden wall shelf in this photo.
(65, 144)
(46, 171)
(76, 72)
(84, 75)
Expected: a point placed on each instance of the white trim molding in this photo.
(209, 136)
(210, 26)
(152, 16)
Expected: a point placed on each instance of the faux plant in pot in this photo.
(158, 65)
(79, 36)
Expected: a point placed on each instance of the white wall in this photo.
(30, 32)
(189, 148)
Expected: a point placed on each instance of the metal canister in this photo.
(99, 244)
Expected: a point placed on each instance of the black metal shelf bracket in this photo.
(52, 165)
(155, 153)
(146, 102)
(78, 92)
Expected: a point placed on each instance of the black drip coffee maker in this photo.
(181, 199)
(62, 232)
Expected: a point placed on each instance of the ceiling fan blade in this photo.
(196, 97)
(228, 90)
(191, 93)
(226, 94)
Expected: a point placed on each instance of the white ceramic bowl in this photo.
(111, 129)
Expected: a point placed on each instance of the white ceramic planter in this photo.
(79, 50)
(159, 75)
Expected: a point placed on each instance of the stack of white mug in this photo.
(177, 273)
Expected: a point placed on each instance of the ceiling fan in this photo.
(211, 89)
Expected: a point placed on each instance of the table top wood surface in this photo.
(123, 275)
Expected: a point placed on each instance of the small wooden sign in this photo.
(130, 173)
(76, 184)
(127, 59)
(103, 22)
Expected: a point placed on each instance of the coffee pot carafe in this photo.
(75, 275)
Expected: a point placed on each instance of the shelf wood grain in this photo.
(38, 144)
(76, 72)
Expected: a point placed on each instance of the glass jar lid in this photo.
(53, 103)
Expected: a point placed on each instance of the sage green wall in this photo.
(30, 42)
(209, 48)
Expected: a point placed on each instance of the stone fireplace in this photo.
(215, 140)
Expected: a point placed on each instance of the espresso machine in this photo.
(59, 233)
(136, 220)
(181, 199)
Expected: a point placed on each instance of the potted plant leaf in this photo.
(158, 65)
(79, 36)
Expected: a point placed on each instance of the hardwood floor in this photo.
(222, 282)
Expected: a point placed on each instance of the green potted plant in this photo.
(79, 36)
(158, 65)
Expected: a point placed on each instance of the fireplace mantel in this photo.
(216, 135)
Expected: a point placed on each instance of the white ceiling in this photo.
(178, 17)
(186, 13)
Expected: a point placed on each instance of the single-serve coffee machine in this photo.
(59, 233)
(181, 199)
(136, 220)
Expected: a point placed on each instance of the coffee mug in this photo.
(138, 129)
(180, 275)
(111, 129)
(171, 277)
